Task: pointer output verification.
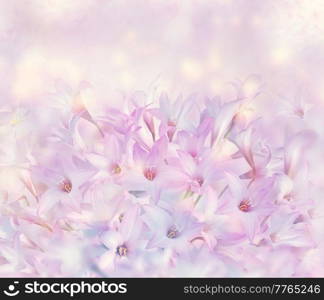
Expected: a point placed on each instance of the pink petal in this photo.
(107, 261)
(111, 239)
(296, 148)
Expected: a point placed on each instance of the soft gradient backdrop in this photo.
(114, 49)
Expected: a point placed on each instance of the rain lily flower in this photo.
(110, 162)
(223, 115)
(62, 179)
(71, 103)
(173, 115)
(123, 243)
(295, 150)
(154, 187)
(251, 205)
(148, 165)
(217, 228)
(170, 230)
(289, 229)
(296, 107)
(257, 154)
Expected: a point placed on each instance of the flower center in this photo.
(172, 123)
(121, 217)
(173, 232)
(299, 112)
(288, 197)
(122, 250)
(199, 180)
(245, 206)
(66, 186)
(150, 173)
(171, 130)
(116, 169)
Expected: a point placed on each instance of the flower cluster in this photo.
(188, 187)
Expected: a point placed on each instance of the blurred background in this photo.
(121, 46)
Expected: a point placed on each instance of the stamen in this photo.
(122, 250)
(288, 197)
(199, 180)
(150, 173)
(299, 112)
(173, 232)
(171, 123)
(193, 154)
(121, 217)
(116, 169)
(171, 130)
(245, 206)
(66, 185)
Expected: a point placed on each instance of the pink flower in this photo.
(223, 115)
(173, 114)
(122, 244)
(218, 228)
(174, 188)
(170, 229)
(250, 204)
(256, 153)
(295, 150)
(289, 229)
(109, 163)
(71, 103)
(148, 165)
(62, 179)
